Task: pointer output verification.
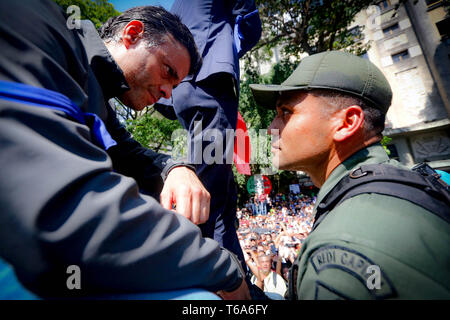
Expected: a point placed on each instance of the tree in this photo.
(154, 131)
(311, 26)
(98, 11)
(259, 118)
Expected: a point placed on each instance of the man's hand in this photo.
(184, 189)
(241, 293)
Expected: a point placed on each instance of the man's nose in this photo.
(273, 128)
(166, 90)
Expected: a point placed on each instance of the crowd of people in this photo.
(273, 229)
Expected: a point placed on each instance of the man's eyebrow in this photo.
(282, 104)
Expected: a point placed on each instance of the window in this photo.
(384, 4)
(400, 56)
(391, 30)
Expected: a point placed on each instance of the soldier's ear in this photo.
(349, 122)
(132, 33)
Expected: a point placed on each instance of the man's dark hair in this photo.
(158, 23)
(374, 118)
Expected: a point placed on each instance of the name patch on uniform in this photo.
(354, 263)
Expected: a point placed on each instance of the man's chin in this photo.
(279, 165)
(131, 103)
(138, 108)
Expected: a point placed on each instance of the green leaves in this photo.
(258, 118)
(384, 142)
(310, 26)
(98, 11)
(154, 131)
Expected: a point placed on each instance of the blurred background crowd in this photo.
(271, 232)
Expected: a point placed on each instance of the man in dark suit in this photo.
(208, 101)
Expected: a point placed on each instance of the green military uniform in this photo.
(409, 245)
(370, 246)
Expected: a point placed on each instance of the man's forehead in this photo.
(290, 97)
(175, 52)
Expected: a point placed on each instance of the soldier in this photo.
(330, 116)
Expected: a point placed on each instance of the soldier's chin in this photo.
(280, 165)
(276, 162)
(276, 165)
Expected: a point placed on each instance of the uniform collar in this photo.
(372, 154)
(109, 75)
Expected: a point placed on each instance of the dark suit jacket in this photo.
(223, 31)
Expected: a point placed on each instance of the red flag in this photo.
(242, 147)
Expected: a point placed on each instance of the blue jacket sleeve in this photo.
(247, 28)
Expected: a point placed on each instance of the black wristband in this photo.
(171, 164)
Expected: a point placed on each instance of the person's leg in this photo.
(213, 105)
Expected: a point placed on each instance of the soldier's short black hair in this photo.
(158, 23)
(374, 118)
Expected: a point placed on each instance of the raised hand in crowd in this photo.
(251, 259)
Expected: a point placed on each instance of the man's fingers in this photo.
(200, 201)
(204, 207)
(196, 207)
(166, 200)
(184, 203)
(184, 188)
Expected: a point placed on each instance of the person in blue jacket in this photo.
(224, 31)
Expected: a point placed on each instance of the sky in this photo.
(122, 5)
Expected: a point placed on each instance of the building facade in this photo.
(410, 44)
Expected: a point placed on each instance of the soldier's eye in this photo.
(284, 112)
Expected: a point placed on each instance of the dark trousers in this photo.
(213, 103)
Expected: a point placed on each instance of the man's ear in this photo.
(132, 33)
(350, 119)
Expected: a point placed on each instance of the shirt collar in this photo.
(109, 75)
(372, 154)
